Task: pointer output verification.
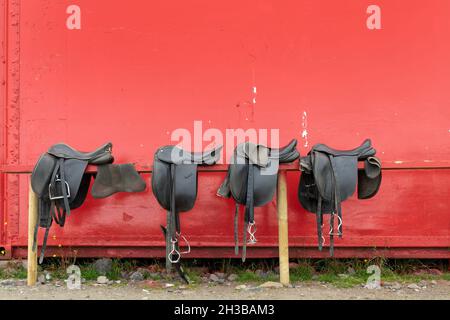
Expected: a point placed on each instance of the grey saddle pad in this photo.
(113, 178)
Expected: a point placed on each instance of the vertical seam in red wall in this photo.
(3, 103)
(10, 121)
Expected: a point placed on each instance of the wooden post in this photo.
(32, 221)
(283, 241)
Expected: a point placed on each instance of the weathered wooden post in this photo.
(32, 221)
(283, 241)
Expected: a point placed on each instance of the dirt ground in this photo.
(300, 291)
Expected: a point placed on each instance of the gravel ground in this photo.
(142, 291)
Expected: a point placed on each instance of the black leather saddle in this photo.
(61, 184)
(174, 184)
(251, 180)
(330, 176)
(59, 181)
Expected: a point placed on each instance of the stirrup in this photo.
(58, 197)
(339, 233)
(251, 229)
(174, 251)
(187, 242)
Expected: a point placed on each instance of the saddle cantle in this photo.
(60, 183)
(251, 180)
(174, 184)
(330, 176)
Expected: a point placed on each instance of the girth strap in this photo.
(44, 245)
(244, 242)
(173, 230)
(249, 208)
(236, 237)
(319, 220)
(336, 204)
(55, 213)
(63, 187)
(249, 201)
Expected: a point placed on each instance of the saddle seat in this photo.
(364, 150)
(177, 155)
(260, 155)
(100, 155)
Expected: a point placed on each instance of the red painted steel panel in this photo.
(134, 73)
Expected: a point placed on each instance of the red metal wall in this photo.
(138, 70)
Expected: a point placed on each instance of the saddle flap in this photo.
(265, 183)
(74, 171)
(185, 187)
(369, 178)
(344, 169)
(308, 194)
(184, 182)
(367, 187)
(81, 195)
(42, 173)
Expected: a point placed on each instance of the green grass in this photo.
(333, 271)
(16, 272)
(304, 272)
(251, 276)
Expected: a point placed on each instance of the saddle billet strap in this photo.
(172, 227)
(249, 201)
(335, 200)
(63, 187)
(44, 245)
(244, 242)
(58, 174)
(50, 211)
(36, 228)
(319, 220)
(337, 196)
(249, 208)
(236, 228)
(58, 215)
(59, 220)
(224, 190)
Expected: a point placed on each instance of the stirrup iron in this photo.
(339, 233)
(179, 235)
(174, 252)
(251, 229)
(54, 197)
